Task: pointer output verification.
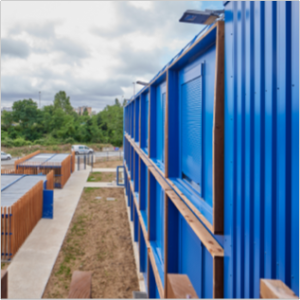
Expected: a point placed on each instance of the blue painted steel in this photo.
(118, 170)
(136, 171)
(136, 120)
(261, 197)
(156, 236)
(47, 204)
(159, 131)
(135, 224)
(187, 255)
(191, 127)
(144, 192)
(261, 146)
(153, 290)
(195, 261)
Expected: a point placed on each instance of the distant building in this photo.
(80, 110)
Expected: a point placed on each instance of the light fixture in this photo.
(201, 17)
(142, 83)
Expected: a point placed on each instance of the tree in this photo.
(62, 101)
(117, 102)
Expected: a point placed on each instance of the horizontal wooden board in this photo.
(206, 238)
(160, 179)
(191, 206)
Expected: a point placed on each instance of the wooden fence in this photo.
(65, 170)
(19, 219)
(7, 171)
(22, 159)
(73, 161)
(50, 180)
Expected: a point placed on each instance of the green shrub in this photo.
(7, 142)
(69, 140)
(19, 142)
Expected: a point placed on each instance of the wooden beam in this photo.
(218, 277)
(180, 287)
(218, 135)
(205, 237)
(275, 289)
(191, 206)
(160, 179)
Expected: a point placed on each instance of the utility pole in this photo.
(133, 88)
(40, 99)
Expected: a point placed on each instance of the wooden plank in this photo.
(4, 280)
(81, 285)
(205, 237)
(156, 274)
(218, 135)
(218, 277)
(180, 287)
(191, 206)
(160, 179)
(275, 289)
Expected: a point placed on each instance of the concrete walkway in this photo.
(112, 170)
(102, 185)
(31, 268)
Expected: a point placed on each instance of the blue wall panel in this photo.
(261, 158)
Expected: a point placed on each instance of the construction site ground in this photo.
(98, 240)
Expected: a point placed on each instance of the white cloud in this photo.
(92, 50)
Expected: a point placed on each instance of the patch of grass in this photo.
(90, 189)
(98, 176)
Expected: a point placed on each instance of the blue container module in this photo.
(211, 156)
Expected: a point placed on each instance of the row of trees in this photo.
(59, 123)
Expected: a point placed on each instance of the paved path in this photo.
(102, 184)
(112, 170)
(31, 268)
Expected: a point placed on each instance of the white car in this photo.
(5, 156)
(82, 149)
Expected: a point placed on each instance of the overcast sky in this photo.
(91, 50)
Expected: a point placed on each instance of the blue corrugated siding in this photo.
(195, 261)
(261, 146)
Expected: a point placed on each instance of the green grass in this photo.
(90, 189)
(98, 176)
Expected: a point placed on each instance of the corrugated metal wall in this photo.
(261, 146)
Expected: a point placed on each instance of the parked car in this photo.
(5, 156)
(82, 149)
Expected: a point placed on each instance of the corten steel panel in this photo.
(261, 146)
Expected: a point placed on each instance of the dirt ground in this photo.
(108, 164)
(101, 177)
(97, 240)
